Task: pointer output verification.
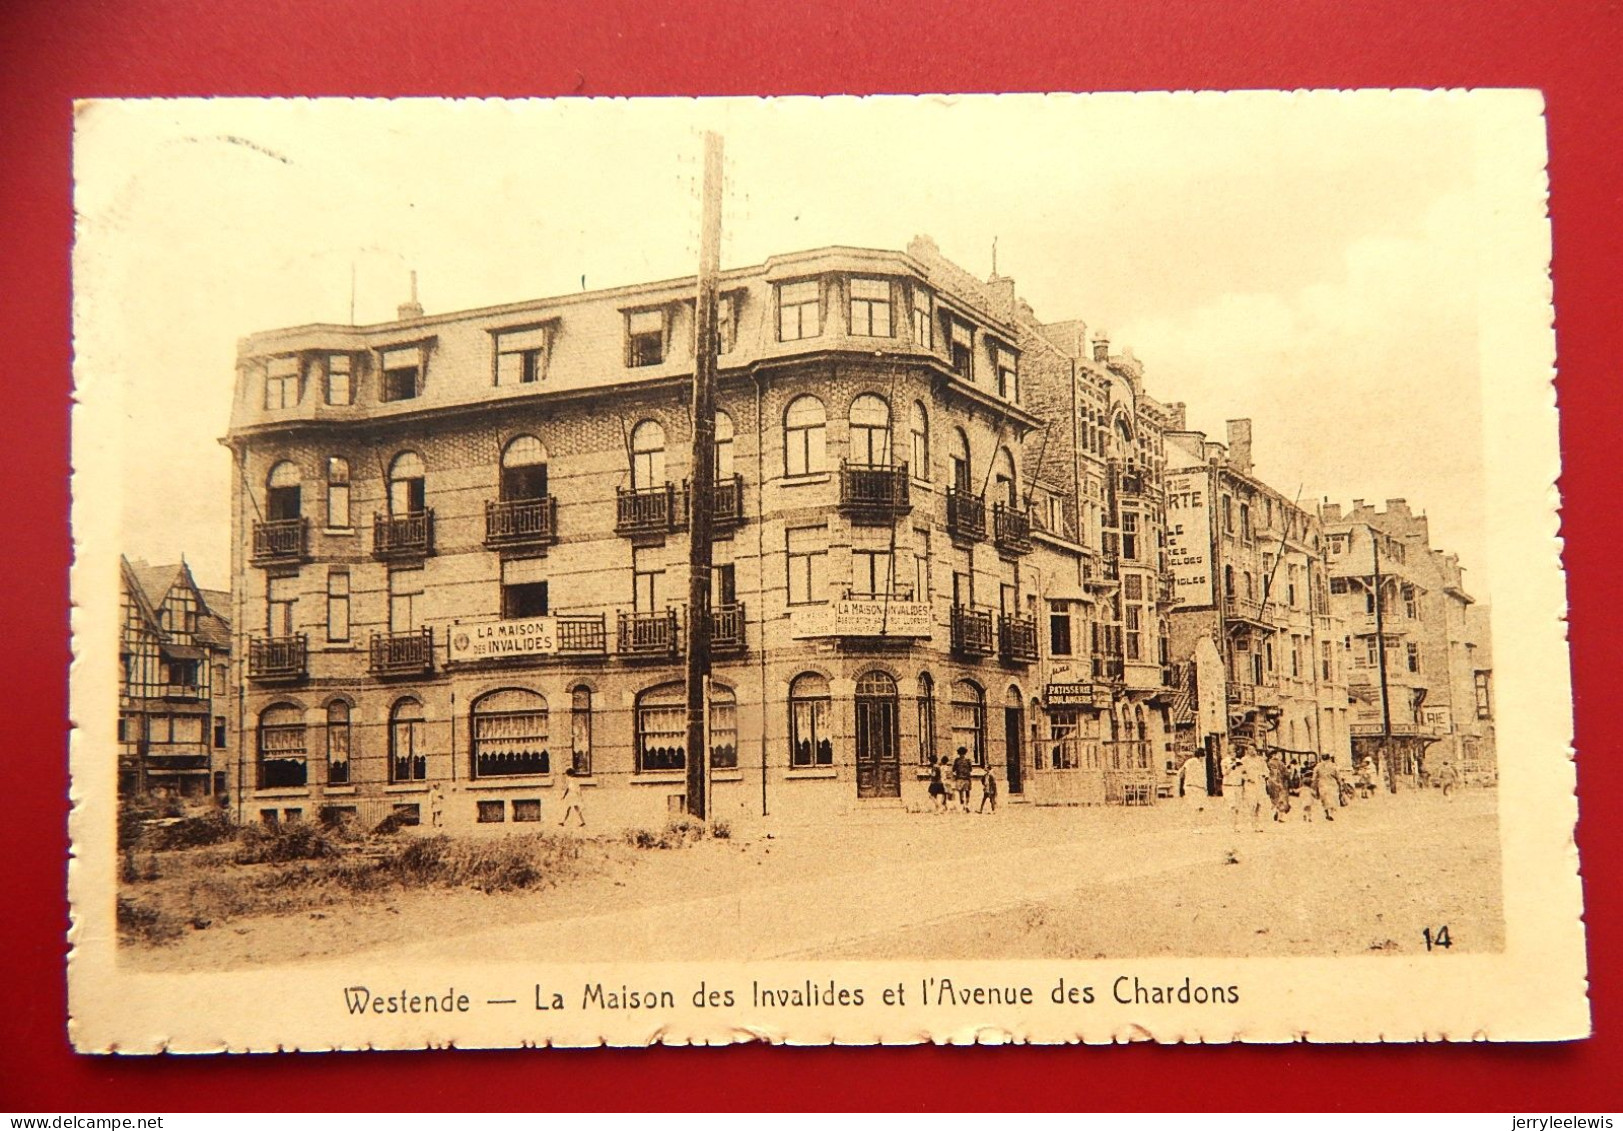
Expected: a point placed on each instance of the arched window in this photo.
(337, 493)
(510, 734)
(282, 763)
(723, 727)
(969, 720)
(724, 447)
(810, 743)
(927, 752)
(580, 730)
(406, 491)
(805, 429)
(1228, 581)
(647, 456)
(408, 745)
(1005, 487)
(662, 728)
(1125, 430)
(870, 431)
(962, 472)
(524, 470)
(338, 742)
(282, 493)
(919, 455)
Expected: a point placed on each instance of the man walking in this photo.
(962, 771)
(988, 791)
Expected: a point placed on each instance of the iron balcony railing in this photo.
(971, 632)
(281, 540)
(727, 510)
(1017, 638)
(874, 493)
(1242, 694)
(278, 657)
(1011, 530)
(966, 516)
(521, 522)
(649, 634)
(1242, 608)
(397, 537)
(583, 635)
(648, 510)
(402, 653)
(727, 629)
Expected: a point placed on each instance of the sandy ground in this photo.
(1024, 883)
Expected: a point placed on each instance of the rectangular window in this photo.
(1134, 635)
(405, 600)
(809, 743)
(724, 733)
(1413, 653)
(1484, 695)
(337, 493)
(521, 356)
(219, 731)
(645, 337)
(647, 568)
(402, 370)
(808, 555)
(337, 606)
(492, 812)
(280, 595)
(726, 323)
(1133, 586)
(527, 811)
(187, 729)
(1245, 522)
(800, 310)
(963, 359)
(1325, 661)
(1129, 536)
(282, 383)
(1296, 657)
(870, 572)
(1338, 585)
(870, 308)
(923, 318)
(1228, 514)
(340, 379)
(1059, 628)
(1411, 602)
(524, 600)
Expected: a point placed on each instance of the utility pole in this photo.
(1380, 657)
(702, 501)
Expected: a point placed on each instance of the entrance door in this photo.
(1014, 725)
(879, 761)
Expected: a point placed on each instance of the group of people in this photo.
(1254, 786)
(963, 774)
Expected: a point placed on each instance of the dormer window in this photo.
(800, 310)
(870, 308)
(402, 369)
(963, 358)
(923, 318)
(340, 389)
(282, 383)
(727, 323)
(645, 337)
(521, 356)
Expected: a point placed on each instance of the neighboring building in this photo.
(1435, 704)
(1249, 569)
(174, 725)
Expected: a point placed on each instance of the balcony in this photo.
(281, 540)
(874, 494)
(1108, 668)
(1246, 610)
(404, 537)
(966, 516)
(402, 653)
(583, 635)
(649, 510)
(521, 522)
(1242, 694)
(649, 634)
(1017, 638)
(727, 630)
(971, 632)
(1011, 530)
(727, 504)
(274, 659)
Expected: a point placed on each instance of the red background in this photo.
(51, 53)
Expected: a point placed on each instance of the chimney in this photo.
(1239, 432)
(1101, 346)
(1330, 512)
(1398, 506)
(1000, 289)
(1177, 416)
(412, 309)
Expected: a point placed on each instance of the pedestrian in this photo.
(571, 800)
(1243, 787)
(1192, 780)
(962, 771)
(1327, 784)
(988, 791)
(1447, 778)
(938, 788)
(436, 805)
(1279, 791)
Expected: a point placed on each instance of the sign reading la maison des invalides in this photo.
(1189, 536)
(862, 616)
(495, 640)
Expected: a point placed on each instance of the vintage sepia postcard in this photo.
(1001, 568)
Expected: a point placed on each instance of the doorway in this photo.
(879, 762)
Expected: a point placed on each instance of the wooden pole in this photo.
(703, 478)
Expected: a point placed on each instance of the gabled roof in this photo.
(154, 582)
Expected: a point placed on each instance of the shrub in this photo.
(190, 832)
(721, 830)
(678, 834)
(145, 923)
(298, 841)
